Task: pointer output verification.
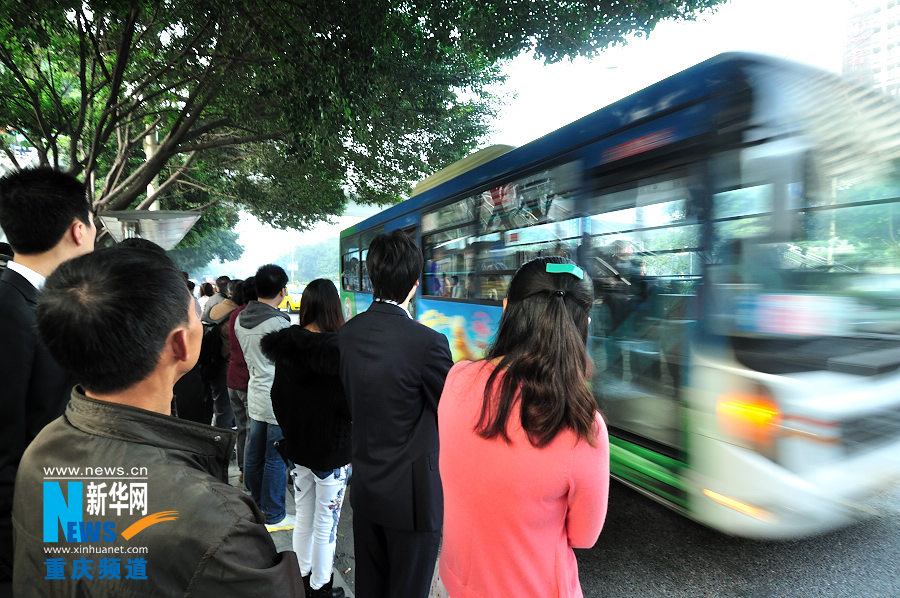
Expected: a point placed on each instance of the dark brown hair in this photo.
(541, 347)
(394, 263)
(321, 304)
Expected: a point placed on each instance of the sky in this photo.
(541, 98)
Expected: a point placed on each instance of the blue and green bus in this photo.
(741, 224)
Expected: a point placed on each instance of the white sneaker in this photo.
(286, 523)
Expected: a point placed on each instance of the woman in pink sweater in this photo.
(524, 453)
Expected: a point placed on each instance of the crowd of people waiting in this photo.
(500, 464)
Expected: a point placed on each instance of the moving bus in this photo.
(741, 224)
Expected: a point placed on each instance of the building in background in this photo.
(872, 53)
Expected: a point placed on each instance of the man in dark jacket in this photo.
(393, 371)
(139, 498)
(47, 220)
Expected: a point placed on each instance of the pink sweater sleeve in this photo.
(588, 489)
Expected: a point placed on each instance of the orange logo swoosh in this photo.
(145, 522)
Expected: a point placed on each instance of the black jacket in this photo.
(212, 540)
(33, 392)
(308, 397)
(393, 370)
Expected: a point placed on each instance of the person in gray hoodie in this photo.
(265, 472)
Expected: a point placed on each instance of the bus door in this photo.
(642, 250)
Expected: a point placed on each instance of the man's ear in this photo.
(178, 342)
(505, 301)
(78, 232)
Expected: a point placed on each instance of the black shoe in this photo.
(327, 591)
(306, 588)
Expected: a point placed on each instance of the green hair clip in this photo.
(566, 269)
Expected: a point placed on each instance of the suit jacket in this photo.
(393, 371)
(34, 391)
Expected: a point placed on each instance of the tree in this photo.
(283, 107)
(210, 239)
(311, 261)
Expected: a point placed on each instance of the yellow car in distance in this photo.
(291, 301)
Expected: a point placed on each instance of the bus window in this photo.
(473, 246)
(530, 217)
(643, 255)
(350, 274)
(829, 270)
(365, 241)
(350, 263)
(546, 196)
(456, 213)
(449, 263)
(505, 251)
(366, 283)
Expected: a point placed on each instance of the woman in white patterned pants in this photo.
(318, 496)
(309, 403)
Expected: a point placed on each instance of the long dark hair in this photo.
(321, 304)
(541, 347)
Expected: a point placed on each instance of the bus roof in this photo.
(457, 168)
(713, 77)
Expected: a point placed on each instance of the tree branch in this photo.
(202, 130)
(83, 100)
(169, 182)
(193, 184)
(149, 129)
(152, 76)
(118, 165)
(233, 140)
(12, 156)
(9, 63)
(98, 52)
(209, 205)
(102, 133)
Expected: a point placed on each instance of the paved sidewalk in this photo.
(344, 560)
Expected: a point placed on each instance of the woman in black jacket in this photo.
(313, 413)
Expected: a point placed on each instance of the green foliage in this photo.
(285, 107)
(312, 262)
(196, 251)
(211, 238)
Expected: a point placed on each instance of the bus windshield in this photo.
(797, 256)
(798, 260)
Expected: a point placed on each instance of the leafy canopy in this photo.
(285, 107)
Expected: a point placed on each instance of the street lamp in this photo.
(166, 228)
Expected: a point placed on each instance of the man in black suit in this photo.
(393, 371)
(47, 220)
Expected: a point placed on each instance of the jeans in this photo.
(238, 400)
(318, 507)
(265, 472)
(224, 416)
